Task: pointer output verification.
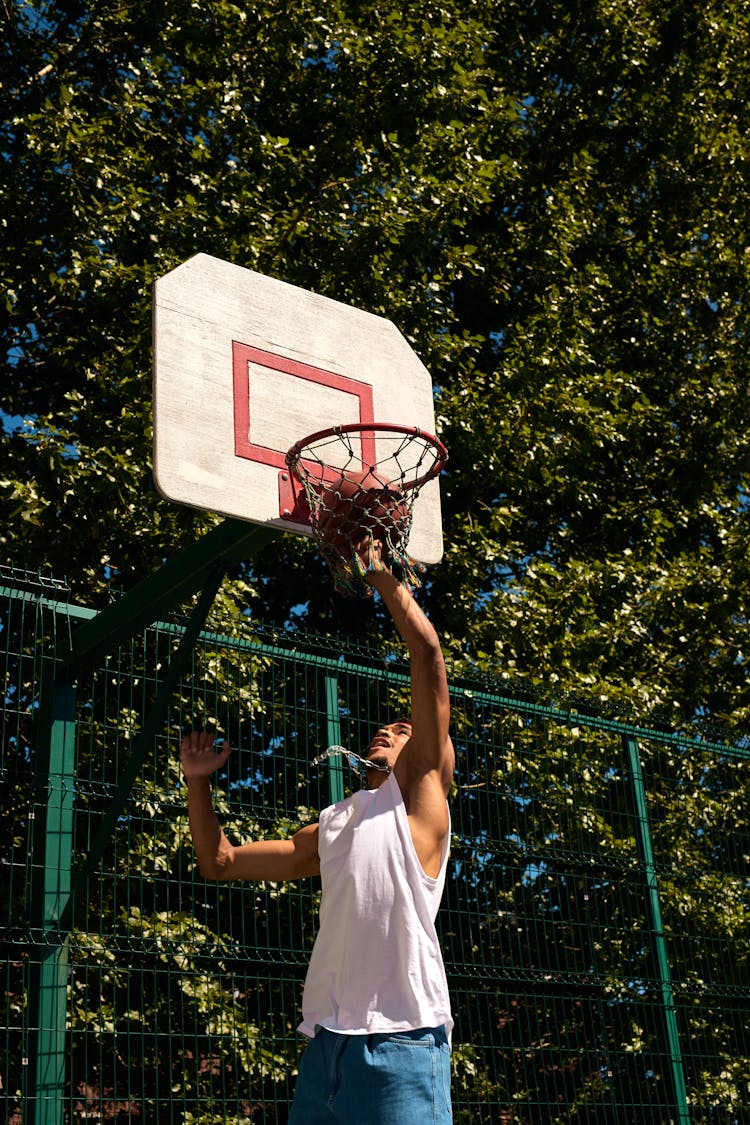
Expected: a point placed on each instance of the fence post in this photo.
(48, 992)
(653, 913)
(152, 722)
(333, 734)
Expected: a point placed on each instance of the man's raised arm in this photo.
(274, 860)
(430, 748)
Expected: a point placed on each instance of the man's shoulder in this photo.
(412, 774)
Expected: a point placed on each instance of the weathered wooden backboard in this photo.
(245, 365)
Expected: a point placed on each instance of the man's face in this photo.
(385, 748)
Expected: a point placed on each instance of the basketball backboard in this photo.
(246, 365)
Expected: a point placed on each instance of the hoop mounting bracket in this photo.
(293, 505)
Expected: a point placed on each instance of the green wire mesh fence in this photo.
(595, 924)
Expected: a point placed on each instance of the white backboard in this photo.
(246, 365)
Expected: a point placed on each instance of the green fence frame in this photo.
(566, 1011)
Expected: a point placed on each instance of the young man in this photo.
(375, 1003)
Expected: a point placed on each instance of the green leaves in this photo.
(550, 203)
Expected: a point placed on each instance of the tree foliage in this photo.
(549, 199)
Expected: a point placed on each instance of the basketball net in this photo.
(361, 482)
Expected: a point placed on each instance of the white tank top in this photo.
(376, 965)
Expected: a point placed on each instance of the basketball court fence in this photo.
(595, 923)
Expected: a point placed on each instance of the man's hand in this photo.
(371, 551)
(200, 755)
(217, 858)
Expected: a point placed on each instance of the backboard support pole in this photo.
(201, 566)
(150, 728)
(227, 544)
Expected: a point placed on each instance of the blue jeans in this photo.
(401, 1078)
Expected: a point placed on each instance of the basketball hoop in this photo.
(361, 482)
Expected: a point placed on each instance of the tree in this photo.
(602, 441)
(549, 200)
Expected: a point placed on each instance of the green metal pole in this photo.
(151, 726)
(653, 909)
(333, 734)
(204, 561)
(181, 576)
(50, 892)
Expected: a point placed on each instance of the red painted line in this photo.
(242, 354)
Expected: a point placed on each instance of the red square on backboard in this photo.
(244, 354)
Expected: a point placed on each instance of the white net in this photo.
(361, 483)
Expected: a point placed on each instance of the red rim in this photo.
(293, 456)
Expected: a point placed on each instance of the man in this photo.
(375, 1003)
